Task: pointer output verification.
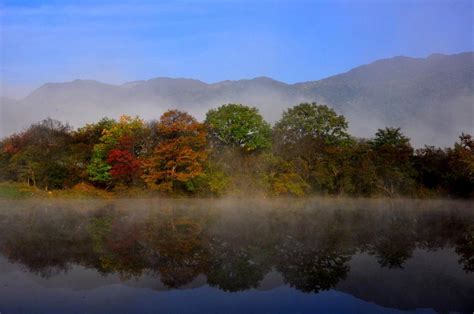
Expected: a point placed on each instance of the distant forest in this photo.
(235, 151)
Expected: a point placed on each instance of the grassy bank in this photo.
(13, 190)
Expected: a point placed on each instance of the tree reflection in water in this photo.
(234, 246)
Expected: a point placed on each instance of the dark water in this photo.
(280, 256)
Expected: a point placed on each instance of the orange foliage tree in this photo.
(180, 153)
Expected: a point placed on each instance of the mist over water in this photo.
(297, 255)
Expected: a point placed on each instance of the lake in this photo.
(236, 256)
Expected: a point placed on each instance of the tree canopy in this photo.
(238, 126)
(116, 156)
(180, 153)
(235, 151)
(390, 137)
(313, 121)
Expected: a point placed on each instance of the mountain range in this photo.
(431, 99)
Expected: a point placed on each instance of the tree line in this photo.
(308, 151)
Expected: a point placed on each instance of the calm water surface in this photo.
(235, 256)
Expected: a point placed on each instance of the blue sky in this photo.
(119, 41)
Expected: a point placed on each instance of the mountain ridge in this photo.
(431, 56)
(430, 98)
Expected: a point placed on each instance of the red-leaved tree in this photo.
(125, 165)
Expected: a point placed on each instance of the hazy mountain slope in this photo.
(431, 98)
(9, 119)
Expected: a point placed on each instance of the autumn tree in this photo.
(116, 159)
(124, 165)
(40, 155)
(281, 177)
(82, 147)
(179, 156)
(90, 134)
(9, 146)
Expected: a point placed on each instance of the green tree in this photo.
(331, 171)
(460, 176)
(314, 138)
(238, 126)
(431, 165)
(361, 169)
(393, 157)
(313, 121)
(390, 137)
(98, 168)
